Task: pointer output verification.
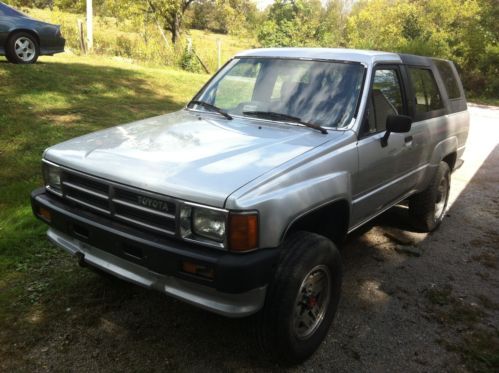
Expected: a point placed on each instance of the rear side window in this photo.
(449, 78)
(427, 96)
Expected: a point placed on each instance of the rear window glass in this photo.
(9, 12)
(449, 78)
(427, 97)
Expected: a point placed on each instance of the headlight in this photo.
(235, 231)
(52, 178)
(209, 223)
(203, 222)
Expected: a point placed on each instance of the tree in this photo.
(170, 14)
(292, 23)
(225, 16)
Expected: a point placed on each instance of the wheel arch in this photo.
(323, 220)
(27, 31)
(451, 160)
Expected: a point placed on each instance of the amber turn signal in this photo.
(45, 214)
(243, 232)
(198, 270)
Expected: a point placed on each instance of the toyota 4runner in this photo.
(237, 202)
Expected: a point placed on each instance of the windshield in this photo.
(321, 92)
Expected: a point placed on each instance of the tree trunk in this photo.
(176, 24)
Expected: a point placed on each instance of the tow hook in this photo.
(81, 259)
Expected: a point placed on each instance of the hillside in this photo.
(142, 42)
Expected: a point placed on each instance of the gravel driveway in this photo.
(411, 301)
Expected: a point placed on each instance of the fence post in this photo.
(81, 36)
(219, 53)
(90, 25)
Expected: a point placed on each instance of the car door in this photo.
(377, 183)
(3, 29)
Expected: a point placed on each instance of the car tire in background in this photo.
(301, 299)
(22, 48)
(428, 208)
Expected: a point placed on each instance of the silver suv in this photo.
(237, 202)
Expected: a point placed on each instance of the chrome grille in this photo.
(121, 202)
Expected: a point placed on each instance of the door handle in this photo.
(408, 139)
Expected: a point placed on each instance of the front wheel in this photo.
(301, 300)
(22, 48)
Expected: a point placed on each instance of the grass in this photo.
(59, 98)
(139, 42)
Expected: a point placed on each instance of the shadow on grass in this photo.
(47, 103)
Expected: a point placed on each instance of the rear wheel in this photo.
(428, 208)
(22, 48)
(301, 300)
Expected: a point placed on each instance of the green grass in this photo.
(59, 98)
(144, 43)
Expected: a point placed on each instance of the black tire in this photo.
(277, 335)
(425, 208)
(25, 56)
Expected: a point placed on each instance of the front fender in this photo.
(301, 187)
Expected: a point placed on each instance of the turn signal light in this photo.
(243, 232)
(45, 214)
(198, 270)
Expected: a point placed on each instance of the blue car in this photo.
(23, 39)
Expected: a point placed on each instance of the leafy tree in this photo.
(170, 14)
(465, 32)
(234, 17)
(292, 23)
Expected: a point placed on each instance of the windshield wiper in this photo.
(284, 117)
(211, 107)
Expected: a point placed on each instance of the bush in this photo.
(189, 61)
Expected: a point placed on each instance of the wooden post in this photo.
(90, 25)
(189, 45)
(219, 53)
(205, 68)
(81, 36)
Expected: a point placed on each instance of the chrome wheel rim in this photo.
(24, 48)
(441, 202)
(312, 301)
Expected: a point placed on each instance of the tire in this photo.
(280, 330)
(428, 208)
(22, 48)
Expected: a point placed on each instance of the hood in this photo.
(193, 156)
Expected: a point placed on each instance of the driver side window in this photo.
(385, 98)
(238, 86)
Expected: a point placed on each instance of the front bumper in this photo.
(239, 285)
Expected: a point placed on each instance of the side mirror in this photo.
(397, 124)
